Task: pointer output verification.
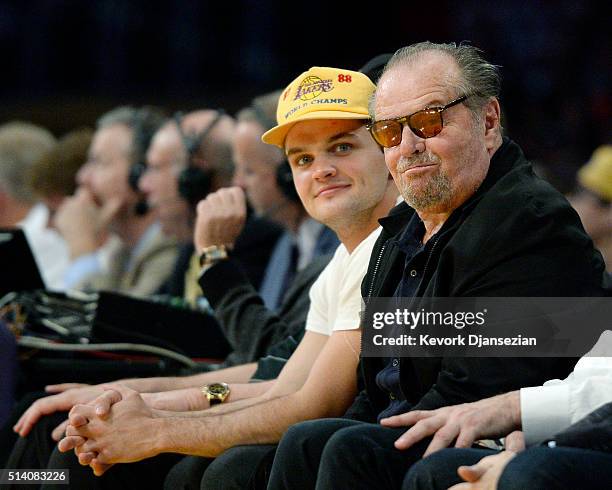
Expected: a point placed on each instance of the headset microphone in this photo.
(137, 170)
(284, 180)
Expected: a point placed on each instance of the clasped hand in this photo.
(114, 428)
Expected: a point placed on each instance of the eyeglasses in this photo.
(425, 123)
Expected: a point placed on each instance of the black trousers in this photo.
(8, 438)
(186, 474)
(341, 453)
(234, 469)
(33, 451)
(237, 468)
(241, 467)
(149, 473)
(539, 467)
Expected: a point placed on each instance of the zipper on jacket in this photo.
(362, 367)
(380, 254)
(429, 258)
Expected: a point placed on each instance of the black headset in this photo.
(194, 183)
(284, 180)
(145, 124)
(284, 177)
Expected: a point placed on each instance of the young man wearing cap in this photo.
(341, 178)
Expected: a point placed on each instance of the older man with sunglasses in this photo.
(476, 222)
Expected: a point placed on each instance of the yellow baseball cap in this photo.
(321, 93)
(596, 174)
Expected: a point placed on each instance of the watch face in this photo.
(217, 388)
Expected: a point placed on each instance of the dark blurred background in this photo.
(64, 62)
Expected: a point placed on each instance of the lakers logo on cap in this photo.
(311, 87)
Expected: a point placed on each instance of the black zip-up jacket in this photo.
(515, 237)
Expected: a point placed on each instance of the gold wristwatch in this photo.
(213, 254)
(216, 393)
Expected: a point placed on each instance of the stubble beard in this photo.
(421, 196)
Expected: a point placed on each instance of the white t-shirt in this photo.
(335, 297)
(548, 409)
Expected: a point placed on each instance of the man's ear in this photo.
(492, 123)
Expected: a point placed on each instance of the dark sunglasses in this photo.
(425, 123)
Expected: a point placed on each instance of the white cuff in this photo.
(544, 411)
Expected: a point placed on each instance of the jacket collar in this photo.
(397, 218)
(506, 158)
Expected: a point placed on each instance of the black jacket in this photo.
(515, 237)
(593, 432)
(249, 326)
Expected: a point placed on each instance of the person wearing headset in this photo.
(189, 157)
(105, 203)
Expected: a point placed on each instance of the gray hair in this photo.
(125, 115)
(262, 110)
(142, 121)
(478, 78)
(22, 144)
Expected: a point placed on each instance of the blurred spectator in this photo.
(182, 168)
(593, 200)
(105, 202)
(189, 157)
(53, 177)
(21, 145)
(255, 163)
